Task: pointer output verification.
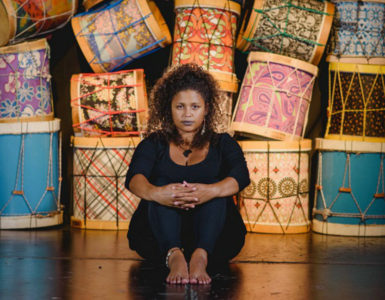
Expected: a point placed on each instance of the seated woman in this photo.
(186, 175)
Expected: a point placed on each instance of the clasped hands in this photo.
(186, 195)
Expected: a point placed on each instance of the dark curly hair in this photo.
(176, 79)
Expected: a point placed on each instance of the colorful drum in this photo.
(100, 199)
(91, 3)
(22, 19)
(30, 160)
(109, 104)
(275, 96)
(277, 199)
(205, 34)
(298, 29)
(356, 108)
(358, 32)
(350, 190)
(25, 82)
(119, 32)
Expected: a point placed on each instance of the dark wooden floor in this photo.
(63, 263)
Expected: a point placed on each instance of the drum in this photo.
(119, 32)
(298, 29)
(358, 32)
(22, 19)
(275, 96)
(277, 199)
(30, 159)
(349, 192)
(88, 4)
(25, 82)
(109, 104)
(205, 34)
(356, 108)
(100, 199)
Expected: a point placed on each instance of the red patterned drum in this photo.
(205, 34)
(100, 199)
(109, 104)
(297, 29)
(22, 19)
(25, 82)
(275, 96)
(118, 32)
(277, 199)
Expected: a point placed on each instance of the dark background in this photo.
(67, 59)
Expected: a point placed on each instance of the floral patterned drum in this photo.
(358, 31)
(109, 104)
(277, 199)
(274, 98)
(100, 200)
(356, 108)
(299, 29)
(120, 31)
(205, 34)
(25, 82)
(350, 189)
(22, 19)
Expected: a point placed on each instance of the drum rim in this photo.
(234, 7)
(5, 7)
(349, 146)
(373, 1)
(26, 46)
(362, 60)
(288, 146)
(18, 128)
(283, 60)
(355, 67)
(99, 142)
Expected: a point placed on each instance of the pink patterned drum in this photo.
(277, 199)
(275, 96)
(25, 82)
(100, 200)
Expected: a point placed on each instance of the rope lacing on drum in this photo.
(289, 5)
(39, 22)
(184, 34)
(91, 175)
(83, 109)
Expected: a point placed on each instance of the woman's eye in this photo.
(195, 106)
(179, 106)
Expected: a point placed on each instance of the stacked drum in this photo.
(30, 139)
(284, 41)
(349, 194)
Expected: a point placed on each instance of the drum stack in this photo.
(285, 41)
(109, 110)
(349, 194)
(30, 139)
(205, 34)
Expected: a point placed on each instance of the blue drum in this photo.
(349, 192)
(30, 174)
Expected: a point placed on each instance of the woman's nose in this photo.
(187, 111)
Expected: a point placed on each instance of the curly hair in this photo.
(174, 80)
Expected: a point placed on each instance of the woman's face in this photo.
(188, 110)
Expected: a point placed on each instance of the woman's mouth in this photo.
(187, 123)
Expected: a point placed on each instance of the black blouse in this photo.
(224, 159)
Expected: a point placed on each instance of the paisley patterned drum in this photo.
(25, 82)
(358, 31)
(109, 104)
(275, 96)
(22, 19)
(100, 199)
(205, 34)
(30, 160)
(349, 198)
(356, 102)
(119, 32)
(298, 29)
(277, 199)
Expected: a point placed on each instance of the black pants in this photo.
(224, 244)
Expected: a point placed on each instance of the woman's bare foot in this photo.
(198, 264)
(178, 268)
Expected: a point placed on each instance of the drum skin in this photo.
(30, 159)
(349, 191)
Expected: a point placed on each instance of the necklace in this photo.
(186, 153)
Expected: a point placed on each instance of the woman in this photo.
(187, 174)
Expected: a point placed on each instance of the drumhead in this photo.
(5, 25)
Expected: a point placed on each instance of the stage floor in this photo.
(64, 263)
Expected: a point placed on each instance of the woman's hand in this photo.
(175, 195)
(192, 194)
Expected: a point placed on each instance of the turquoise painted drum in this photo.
(30, 174)
(349, 192)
